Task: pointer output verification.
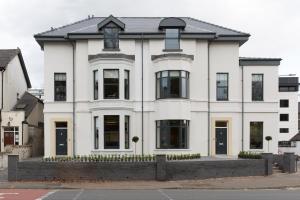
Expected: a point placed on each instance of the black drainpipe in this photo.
(208, 98)
(242, 108)
(142, 46)
(2, 72)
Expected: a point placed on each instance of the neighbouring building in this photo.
(178, 84)
(288, 112)
(21, 113)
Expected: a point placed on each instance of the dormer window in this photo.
(111, 38)
(172, 27)
(172, 39)
(111, 27)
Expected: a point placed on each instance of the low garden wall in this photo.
(158, 169)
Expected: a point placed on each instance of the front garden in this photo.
(121, 158)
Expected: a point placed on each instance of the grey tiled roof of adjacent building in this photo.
(27, 103)
(296, 137)
(140, 25)
(252, 61)
(6, 55)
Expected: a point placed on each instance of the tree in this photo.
(268, 138)
(135, 139)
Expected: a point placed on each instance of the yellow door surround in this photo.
(53, 135)
(213, 134)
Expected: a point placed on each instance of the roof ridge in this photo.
(70, 24)
(38, 99)
(217, 25)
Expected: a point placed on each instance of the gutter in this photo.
(208, 99)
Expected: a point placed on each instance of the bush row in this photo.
(120, 158)
(249, 155)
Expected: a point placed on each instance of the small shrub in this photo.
(249, 155)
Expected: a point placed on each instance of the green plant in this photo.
(249, 155)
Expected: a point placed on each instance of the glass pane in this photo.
(174, 73)
(172, 44)
(164, 73)
(221, 124)
(257, 87)
(111, 132)
(96, 132)
(256, 135)
(111, 84)
(158, 88)
(127, 129)
(172, 33)
(126, 84)
(111, 38)
(61, 124)
(183, 87)
(111, 73)
(95, 84)
(174, 87)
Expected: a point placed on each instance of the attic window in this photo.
(172, 39)
(111, 38)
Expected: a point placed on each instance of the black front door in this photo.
(221, 140)
(61, 141)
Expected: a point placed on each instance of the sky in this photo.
(274, 25)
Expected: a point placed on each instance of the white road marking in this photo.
(46, 195)
(165, 195)
(79, 193)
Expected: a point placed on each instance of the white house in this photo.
(20, 112)
(176, 83)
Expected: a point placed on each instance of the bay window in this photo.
(172, 84)
(172, 134)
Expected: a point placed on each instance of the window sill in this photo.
(111, 49)
(112, 150)
(172, 149)
(172, 50)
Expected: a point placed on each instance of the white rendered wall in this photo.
(224, 57)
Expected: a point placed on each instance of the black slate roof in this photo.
(141, 24)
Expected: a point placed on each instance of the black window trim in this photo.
(263, 96)
(262, 122)
(94, 81)
(180, 83)
(128, 71)
(286, 100)
(104, 84)
(284, 130)
(227, 99)
(118, 39)
(96, 131)
(187, 126)
(55, 99)
(179, 38)
(284, 114)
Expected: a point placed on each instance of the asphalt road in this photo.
(171, 194)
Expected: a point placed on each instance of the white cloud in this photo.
(273, 24)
